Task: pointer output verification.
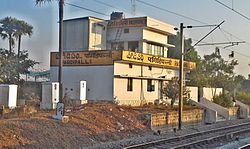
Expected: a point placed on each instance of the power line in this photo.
(244, 16)
(180, 15)
(233, 36)
(157, 7)
(208, 33)
(108, 5)
(77, 6)
(223, 48)
(111, 6)
(189, 18)
(220, 43)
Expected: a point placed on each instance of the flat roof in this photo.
(83, 18)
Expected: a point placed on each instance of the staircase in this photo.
(118, 34)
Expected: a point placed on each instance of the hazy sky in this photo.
(44, 20)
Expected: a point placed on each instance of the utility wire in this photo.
(157, 7)
(232, 10)
(108, 5)
(189, 18)
(111, 6)
(77, 6)
(233, 36)
(180, 15)
(208, 33)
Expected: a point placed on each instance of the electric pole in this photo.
(181, 61)
(60, 105)
(181, 77)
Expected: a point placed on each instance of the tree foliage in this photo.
(7, 30)
(11, 66)
(215, 72)
(190, 54)
(22, 29)
(224, 99)
(171, 90)
(11, 28)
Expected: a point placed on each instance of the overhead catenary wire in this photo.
(189, 18)
(244, 16)
(157, 7)
(220, 43)
(180, 15)
(168, 11)
(108, 5)
(208, 33)
(120, 9)
(208, 44)
(80, 7)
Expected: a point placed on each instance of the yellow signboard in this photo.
(157, 60)
(85, 58)
(106, 57)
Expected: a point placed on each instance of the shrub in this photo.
(224, 100)
(243, 97)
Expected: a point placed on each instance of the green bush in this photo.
(243, 97)
(224, 100)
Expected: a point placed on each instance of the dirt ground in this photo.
(89, 124)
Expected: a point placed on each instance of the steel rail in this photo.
(182, 137)
(210, 139)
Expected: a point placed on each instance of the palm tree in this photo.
(61, 3)
(22, 28)
(7, 30)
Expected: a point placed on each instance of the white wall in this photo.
(135, 34)
(134, 97)
(193, 93)
(153, 23)
(123, 69)
(156, 37)
(208, 92)
(84, 34)
(8, 95)
(75, 35)
(99, 81)
(97, 38)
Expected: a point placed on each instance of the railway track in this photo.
(199, 139)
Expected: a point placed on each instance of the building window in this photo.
(117, 46)
(155, 49)
(149, 49)
(130, 84)
(150, 86)
(158, 50)
(130, 65)
(126, 30)
(133, 46)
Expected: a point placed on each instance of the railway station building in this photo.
(121, 59)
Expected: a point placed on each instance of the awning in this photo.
(157, 43)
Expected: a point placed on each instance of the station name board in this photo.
(85, 58)
(106, 57)
(132, 22)
(157, 60)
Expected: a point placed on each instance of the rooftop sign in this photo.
(130, 22)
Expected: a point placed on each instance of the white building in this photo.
(121, 59)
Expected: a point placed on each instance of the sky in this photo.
(190, 12)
